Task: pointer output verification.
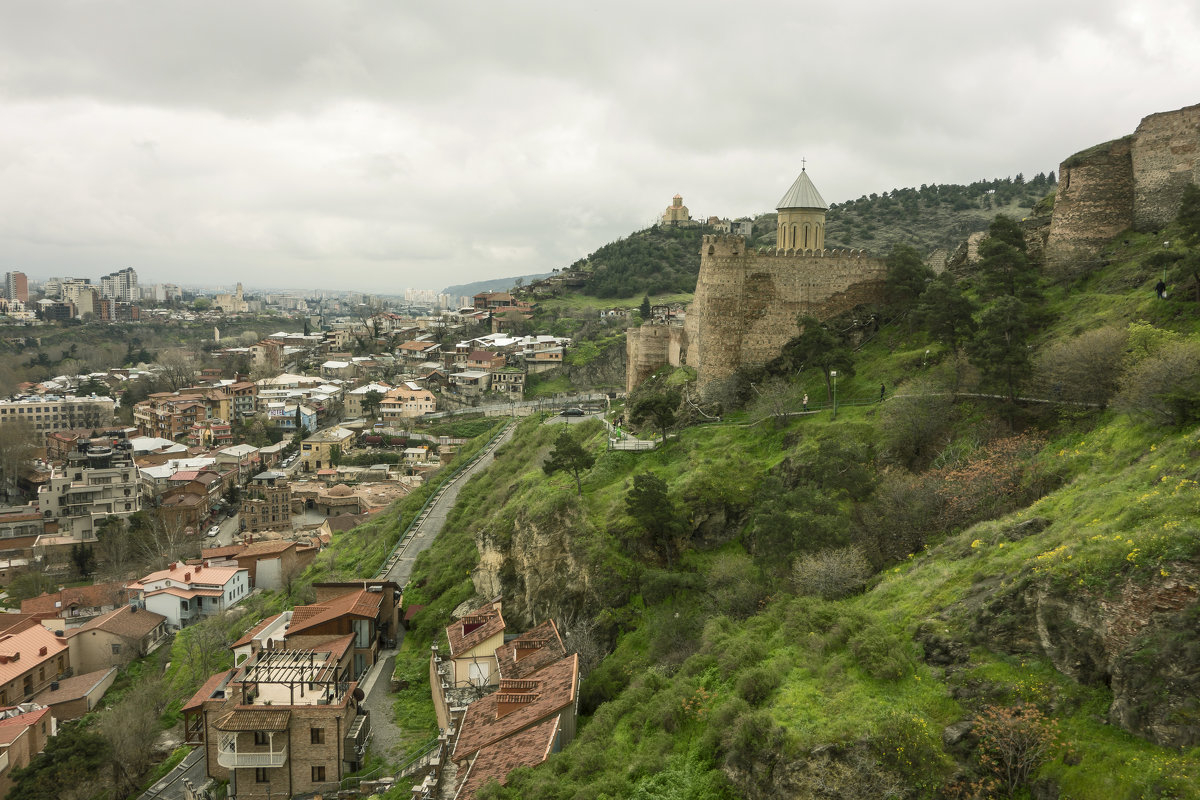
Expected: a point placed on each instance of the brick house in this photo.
(473, 642)
(24, 731)
(116, 638)
(268, 503)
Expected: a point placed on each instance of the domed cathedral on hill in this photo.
(747, 301)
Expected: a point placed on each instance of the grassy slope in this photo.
(847, 672)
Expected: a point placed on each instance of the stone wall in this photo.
(1094, 203)
(746, 307)
(1166, 158)
(747, 303)
(1134, 182)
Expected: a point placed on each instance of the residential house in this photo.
(30, 660)
(543, 359)
(244, 396)
(317, 451)
(418, 351)
(71, 698)
(24, 731)
(471, 383)
(116, 638)
(244, 458)
(509, 381)
(550, 694)
(473, 641)
(494, 761)
(184, 593)
(271, 564)
(355, 397)
(169, 415)
(210, 433)
(72, 606)
(484, 360)
(406, 402)
(282, 723)
(370, 610)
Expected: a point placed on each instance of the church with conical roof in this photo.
(748, 300)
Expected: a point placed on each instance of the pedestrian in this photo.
(1161, 290)
(882, 391)
(805, 401)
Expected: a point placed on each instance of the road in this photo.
(431, 526)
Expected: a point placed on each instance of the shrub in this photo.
(831, 574)
(757, 684)
(1164, 387)
(881, 654)
(1086, 368)
(1013, 742)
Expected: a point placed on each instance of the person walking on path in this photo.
(1161, 290)
(882, 391)
(805, 401)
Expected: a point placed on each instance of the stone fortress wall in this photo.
(1133, 182)
(746, 306)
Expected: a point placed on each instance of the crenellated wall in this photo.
(747, 303)
(1166, 158)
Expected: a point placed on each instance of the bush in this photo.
(1164, 387)
(1085, 369)
(757, 684)
(1013, 742)
(831, 574)
(881, 653)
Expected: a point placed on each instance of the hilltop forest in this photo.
(977, 580)
(660, 260)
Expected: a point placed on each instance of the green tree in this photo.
(644, 309)
(84, 559)
(335, 455)
(907, 277)
(370, 403)
(647, 502)
(70, 766)
(815, 348)
(1000, 349)
(569, 455)
(202, 304)
(947, 312)
(1004, 268)
(658, 406)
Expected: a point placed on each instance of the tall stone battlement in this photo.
(1133, 182)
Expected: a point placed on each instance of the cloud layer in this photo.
(374, 146)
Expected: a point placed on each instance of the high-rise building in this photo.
(121, 285)
(16, 286)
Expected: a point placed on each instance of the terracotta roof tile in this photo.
(254, 719)
(518, 704)
(473, 629)
(73, 688)
(125, 621)
(529, 652)
(29, 643)
(356, 604)
(209, 688)
(525, 749)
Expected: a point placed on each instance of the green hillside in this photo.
(939, 595)
(658, 261)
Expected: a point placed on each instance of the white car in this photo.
(214, 530)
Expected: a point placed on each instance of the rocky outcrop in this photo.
(1142, 640)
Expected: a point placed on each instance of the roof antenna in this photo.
(803, 162)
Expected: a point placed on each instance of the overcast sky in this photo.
(380, 145)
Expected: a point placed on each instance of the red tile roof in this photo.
(353, 604)
(73, 688)
(529, 652)
(248, 637)
(525, 749)
(12, 727)
(518, 704)
(208, 689)
(27, 646)
(474, 629)
(127, 621)
(95, 596)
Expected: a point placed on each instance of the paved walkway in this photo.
(171, 785)
(424, 534)
(385, 736)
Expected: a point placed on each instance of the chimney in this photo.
(508, 703)
(187, 576)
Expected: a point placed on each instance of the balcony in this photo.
(229, 757)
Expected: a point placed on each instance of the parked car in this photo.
(214, 530)
(572, 412)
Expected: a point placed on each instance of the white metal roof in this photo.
(802, 195)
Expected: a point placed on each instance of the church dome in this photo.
(341, 490)
(802, 195)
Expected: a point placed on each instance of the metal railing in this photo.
(444, 484)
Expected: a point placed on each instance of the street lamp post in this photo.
(833, 374)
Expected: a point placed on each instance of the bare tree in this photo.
(202, 646)
(131, 727)
(581, 634)
(18, 443)
(178, 369)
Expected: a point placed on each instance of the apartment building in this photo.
(99, 480)
(49, 413)
(283, 723)
(121, 285)
(29, 661)
(405, 402)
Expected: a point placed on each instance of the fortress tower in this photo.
(747, 300)
(801, 217)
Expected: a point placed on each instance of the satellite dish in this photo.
(357, 694)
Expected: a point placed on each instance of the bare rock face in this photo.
(534, 566)
(1141, 639)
